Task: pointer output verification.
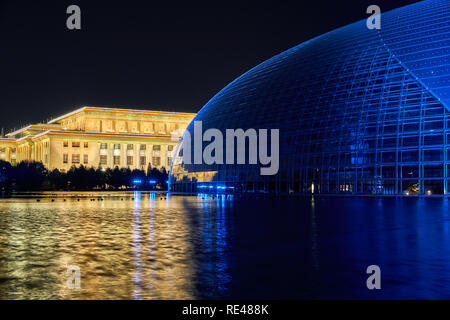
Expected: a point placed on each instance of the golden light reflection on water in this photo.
(128, 246)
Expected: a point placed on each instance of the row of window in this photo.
(156, 161)
(116, 146)
(102, 146)
(75, 158)
(75, 144)
(3, 150)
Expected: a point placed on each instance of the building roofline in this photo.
(41, 126)
(122, 110)
(29, 137)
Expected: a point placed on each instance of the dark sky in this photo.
(160, 55)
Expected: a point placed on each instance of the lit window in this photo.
(116, 160)
(129, 161)
(103, 146)
(116, 146)
(156, 161)
(75, 144)
(75, 158)
(65, 158)
(86, 144)
(103, 160)
(65, 144)
(85, 159)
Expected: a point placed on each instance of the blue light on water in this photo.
(212, 187)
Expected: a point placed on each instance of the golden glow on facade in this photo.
(105, 137)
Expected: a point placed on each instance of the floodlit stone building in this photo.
(99, 137)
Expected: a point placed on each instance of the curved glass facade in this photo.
(358, 111)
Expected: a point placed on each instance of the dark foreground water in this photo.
(148, 246)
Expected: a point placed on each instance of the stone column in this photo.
(111, 155)
(137, 151)
(124, 155)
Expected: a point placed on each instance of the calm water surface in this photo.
(151, 246)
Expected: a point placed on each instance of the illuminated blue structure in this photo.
(359, 111)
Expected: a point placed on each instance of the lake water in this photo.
(156, 246)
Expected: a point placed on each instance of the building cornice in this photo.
(126, 112)
(7, 140)
(40, 127)
(104, 135)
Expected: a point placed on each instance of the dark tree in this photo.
(33, 176)
(160, 176)
(116, 179)
(6, 175)
(56, 180)
(29, 175)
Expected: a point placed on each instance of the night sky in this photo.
(159, 55)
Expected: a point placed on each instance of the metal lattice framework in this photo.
(359, 111)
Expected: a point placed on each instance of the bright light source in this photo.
(152, 181)
(137, 181)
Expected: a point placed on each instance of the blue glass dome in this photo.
(358, 111)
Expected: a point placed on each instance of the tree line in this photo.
(33, 176)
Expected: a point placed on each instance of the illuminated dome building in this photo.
(359, 111)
